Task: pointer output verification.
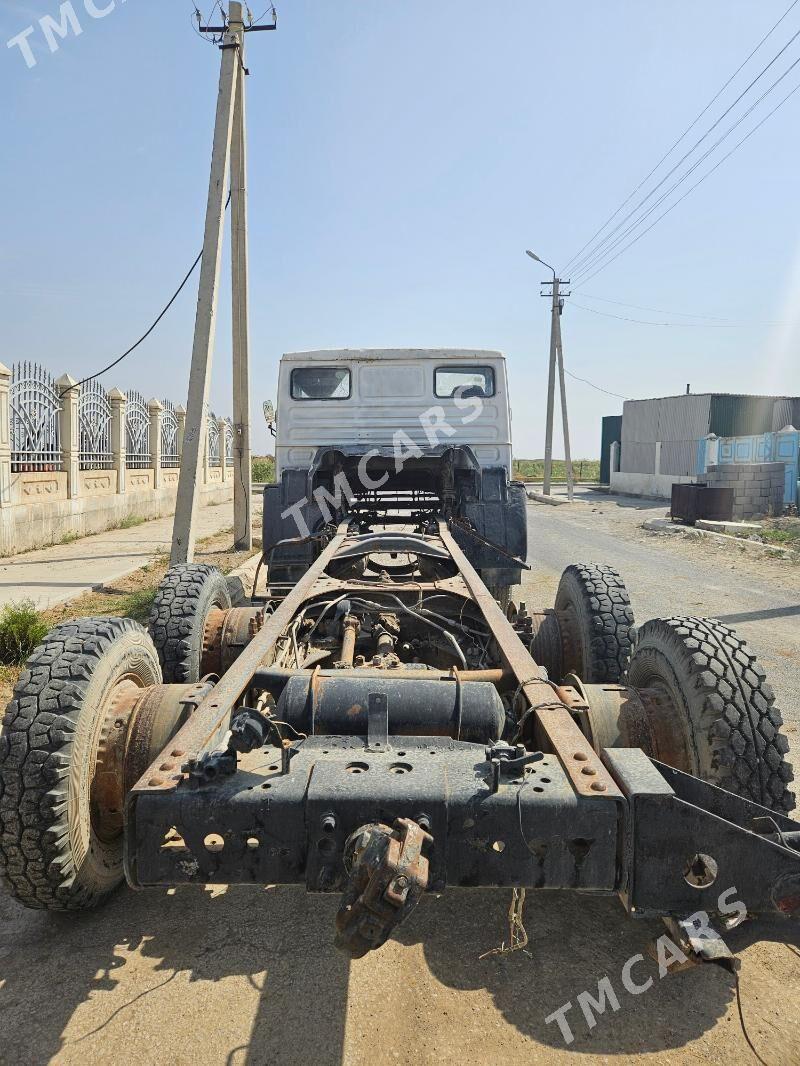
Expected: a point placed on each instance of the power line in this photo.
(593, 257)
(655, 310)
(597, 257)
(677, 325)
(144, 336)
(618, 395)
(688, 129)
(691, 188)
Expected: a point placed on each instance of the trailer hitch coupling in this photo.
(387, 875)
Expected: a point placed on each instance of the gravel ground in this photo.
(249, 975)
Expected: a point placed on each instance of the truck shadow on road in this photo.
(153, 970)
(575, 942)
(70, 988)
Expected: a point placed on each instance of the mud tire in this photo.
(50, 855)
(596, 620)
(726, 717)
(178, 616)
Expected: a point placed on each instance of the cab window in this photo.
(320, 383)
(464, 381)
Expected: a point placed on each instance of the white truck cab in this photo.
(366, 397)
(417, 435)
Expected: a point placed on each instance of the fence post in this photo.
(155, 407)
(711, 457)
(5, 436)
(206, 456)
(116, 399)
(180, 418)
(223, 458)
(70, 433)
(614, 458)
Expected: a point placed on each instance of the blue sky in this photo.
(402, 157)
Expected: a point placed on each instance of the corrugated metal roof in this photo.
(679, 457)
(638, 457)
(741, 416)
(640, 420)
(667, 418)
(684, 418)
(680, 395)
(786, 412)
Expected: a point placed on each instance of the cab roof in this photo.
(334, 355)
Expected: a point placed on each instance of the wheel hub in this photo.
(137, 725)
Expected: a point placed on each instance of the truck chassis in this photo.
(445, 756)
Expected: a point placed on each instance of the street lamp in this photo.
(533, 255)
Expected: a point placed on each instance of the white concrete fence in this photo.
(75, 459)
(642, 483)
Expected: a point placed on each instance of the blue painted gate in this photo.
(767, 448)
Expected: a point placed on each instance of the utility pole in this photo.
(242, 461)
(229, 131)
(564, 418)
(551, 388)
(556, 356)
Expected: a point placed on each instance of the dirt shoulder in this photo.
(623, 517)
(130, 596)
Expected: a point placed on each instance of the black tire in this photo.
(178, 617)
(596, 619)
(50, 855)
(727, 728)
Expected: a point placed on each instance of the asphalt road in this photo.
(249, 975)
(762, 602)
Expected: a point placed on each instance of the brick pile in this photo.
(757, 487)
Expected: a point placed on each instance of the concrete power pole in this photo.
(551, 389)
(242, 460)
(564, 417)
(228, 156)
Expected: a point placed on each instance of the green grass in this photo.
(130, 521)
(533, 469)
(528, 469)
(785, 533)
(134, 605)
(263, 468)
(70, 538)
(21, 629)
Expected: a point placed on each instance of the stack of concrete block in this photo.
(757, 487)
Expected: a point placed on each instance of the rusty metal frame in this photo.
(607, 847)
(210, 721)
(583, 766)
(207, 726)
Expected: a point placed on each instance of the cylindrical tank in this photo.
(336, 703)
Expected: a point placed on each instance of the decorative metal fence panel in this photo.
(213, 440)
(228, 442)
(35, 405)
(137, 432)
(170, 454)
(94, 427)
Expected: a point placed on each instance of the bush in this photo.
(137, 604)
(21, 629)
(263, 468)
